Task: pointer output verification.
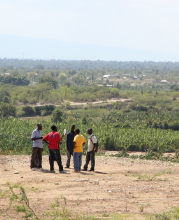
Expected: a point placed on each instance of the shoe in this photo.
(92, 170)
(41, 169)
(84, 169)
(63, 171)
(33, 169)
(52, 171)
(76, 171)
(67, 167)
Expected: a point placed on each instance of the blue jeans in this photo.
(77, 160)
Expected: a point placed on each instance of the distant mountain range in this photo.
(34, 48)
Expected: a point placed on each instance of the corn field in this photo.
(15, 136)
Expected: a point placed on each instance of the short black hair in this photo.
(77, 130)
(54, 128)
(90, 130)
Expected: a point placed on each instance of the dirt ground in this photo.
(133, 188)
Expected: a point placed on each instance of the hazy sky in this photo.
(138, 24)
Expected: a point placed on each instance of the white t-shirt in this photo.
(91, 141)
(35, 134)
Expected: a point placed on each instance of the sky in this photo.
(132, 24)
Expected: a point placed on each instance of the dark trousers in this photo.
(69, 154)
(36, 156)
(90, 156)
(54, 154)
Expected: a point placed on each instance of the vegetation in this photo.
(147, 121)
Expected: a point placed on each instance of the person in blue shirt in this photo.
(69, 145)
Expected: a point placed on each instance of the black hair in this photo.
(54, 128)
(77, 131)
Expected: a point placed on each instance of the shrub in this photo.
(57, 115)
(28, 111)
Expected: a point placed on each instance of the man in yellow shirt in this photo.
(78, 143)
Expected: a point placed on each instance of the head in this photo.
(90, 131)
(77, 131)
(54, 128)
(72, 128)
(39, 126)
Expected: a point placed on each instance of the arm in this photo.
(58, 138)
(45, 141)
(94, 147)
(67, 142)
(94, 141)
(35, 135)
(74, 143)
(36, 138)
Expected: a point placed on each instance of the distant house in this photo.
(164, 81)
(106, 76)
(135, 77)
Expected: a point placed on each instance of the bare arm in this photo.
(45, 141)
(74, 143)
(36, 138)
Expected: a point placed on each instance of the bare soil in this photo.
(133, 188)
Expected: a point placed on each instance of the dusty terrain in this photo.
(133, 188)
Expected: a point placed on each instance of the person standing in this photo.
(37, 148)
(69, 145)
(78, 143)
(92, 143)
(53, 140)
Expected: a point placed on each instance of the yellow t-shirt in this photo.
(80, 140)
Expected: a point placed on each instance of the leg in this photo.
(51, 159)
(68, 158)
(33, 157)
(92, 158)
(80, 161)
(58, 159)
(76, 161)
(87, 161)
(39, 154)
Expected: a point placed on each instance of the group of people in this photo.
(74, 143)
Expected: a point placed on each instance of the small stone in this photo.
(56, 183)
(16, 172)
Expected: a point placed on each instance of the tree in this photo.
(29, 111)
(7, 110)
(49, 80)
(57, 116)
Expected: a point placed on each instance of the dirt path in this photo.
(108, 101)
(133, 188)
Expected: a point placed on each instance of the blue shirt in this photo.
(69, 140)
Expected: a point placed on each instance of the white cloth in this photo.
(91, 140)
(36, 134)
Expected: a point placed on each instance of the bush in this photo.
(47, 110)
(28, 111)
(57, 115)
(7, 110)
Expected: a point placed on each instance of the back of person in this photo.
(79, 139)
(53, 138)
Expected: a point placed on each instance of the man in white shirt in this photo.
(37, 148)
(92, 142)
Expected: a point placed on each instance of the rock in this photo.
(16, 172)
(56, 183)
